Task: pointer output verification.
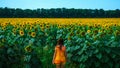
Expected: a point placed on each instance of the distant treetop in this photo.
(58, 13)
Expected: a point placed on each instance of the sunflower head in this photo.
(100, 31)
(47, 26)
(88, 31)
(82, 33)
(77, 32)
(21, 32)
(59, 26)
(28, 48)
(95, 31)
(33, 34)
(116, 33)
(41, 25)
(42, 28)
(3, 28)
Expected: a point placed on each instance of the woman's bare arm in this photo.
(66, 55)
(54, 57)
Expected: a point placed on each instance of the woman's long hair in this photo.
(60, 42)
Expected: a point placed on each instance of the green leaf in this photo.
(97, 64)
(96, 51)
(77, 47)
(108, 50)
(96, 42)
(110, 64)
(82, 66)
(117, 65)
(82, 50)
(59, 36)
(113, 56)
(69, 55)
(83, 58)
(1, 36)
(9, 51)
(116, 50)
(106, 59)
(99, 56)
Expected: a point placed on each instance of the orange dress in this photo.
(60, 55)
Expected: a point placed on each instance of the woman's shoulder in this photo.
(57, 46)
(64, 46)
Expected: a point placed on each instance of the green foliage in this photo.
(84, 50)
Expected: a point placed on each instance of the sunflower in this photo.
(42, 28)
(41, 25)
(82, 33)
(3, 28)
(100, 31)
(22, 25)
(31, 27)
(59, 26)
(33, 34)
(21, 33)
(47, 26)
(14, 30)
(117, 32)
(28, 48)
(88, 31)
(95, 31)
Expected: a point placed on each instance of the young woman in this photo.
(60, 55)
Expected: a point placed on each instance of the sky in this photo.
(47, 4)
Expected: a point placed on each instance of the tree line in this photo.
(58, 13)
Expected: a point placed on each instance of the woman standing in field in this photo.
(60, 55)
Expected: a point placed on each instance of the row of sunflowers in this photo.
(30, 42)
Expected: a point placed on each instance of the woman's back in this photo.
(60, 53)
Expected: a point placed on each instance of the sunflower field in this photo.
(30, 42)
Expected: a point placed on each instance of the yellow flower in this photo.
(33, 34)
(13, 29)
(82, 33)
(47, 26)
(42, 28)
(59, 26)
(21, 33)
(95, 31)
(41, 25)
(116, 33)
(31, 27)
(28, 48)
(3, 28)
(100, 31)
(88, 31)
